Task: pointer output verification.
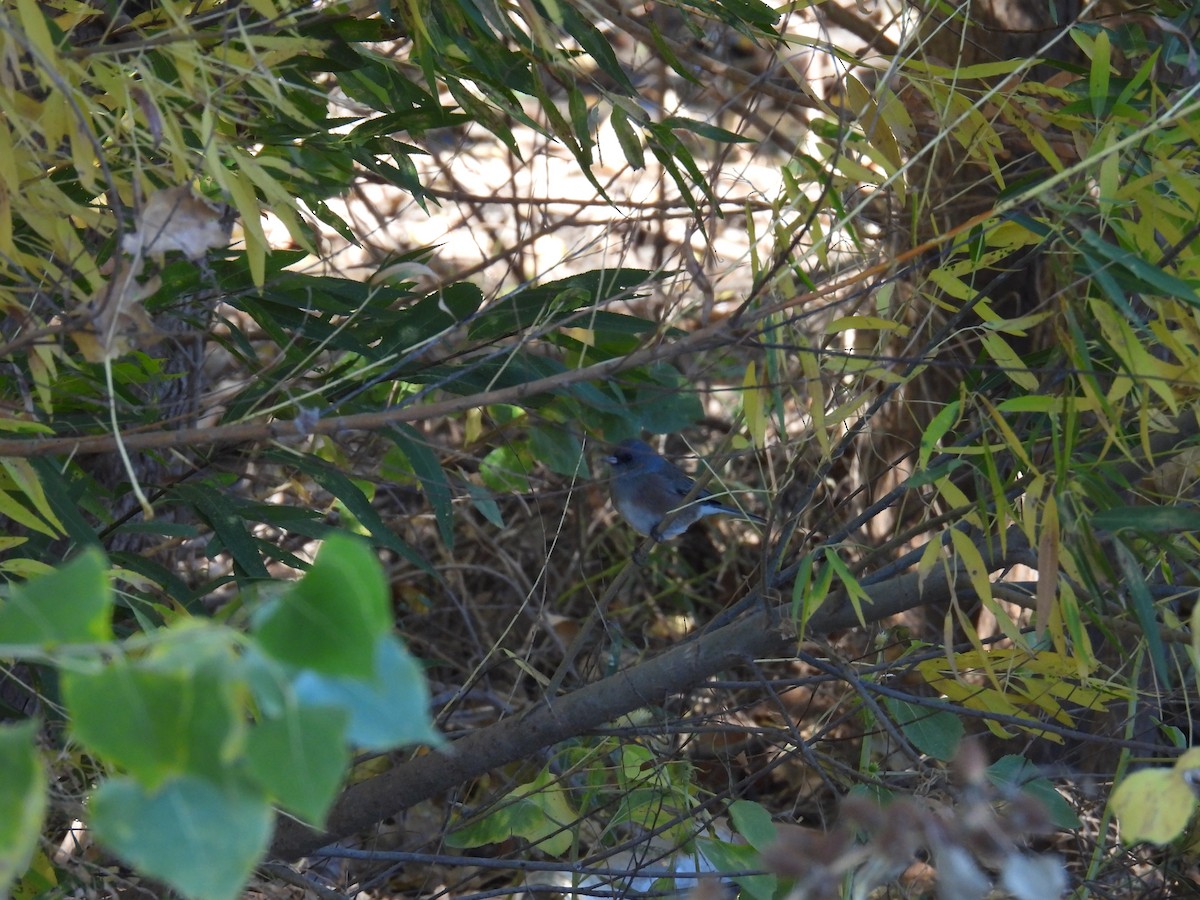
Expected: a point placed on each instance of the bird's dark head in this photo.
(629, 454)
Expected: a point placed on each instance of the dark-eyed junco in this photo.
(645, 488)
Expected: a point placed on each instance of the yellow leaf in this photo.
(952, 284)
(929, 559)
(474, 428)
(242, 193)
(816, 391)
(753, 407)
(1011, 441)
(957, 500)
(982, 70)
(27, 481)
(1004, 356)
(15, 510)
(36, 31)
(968, 554)
(872, 323)
(1154, 805)
(25, 568)
(1047, 583)
(24, 426)
(44, 372)
(875, 129)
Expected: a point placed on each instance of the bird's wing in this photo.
(681, 484)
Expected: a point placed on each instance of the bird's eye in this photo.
(623, 457)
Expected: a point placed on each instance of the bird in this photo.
(646, 487)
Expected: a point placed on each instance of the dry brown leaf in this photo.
(176, 219)
(120, 321)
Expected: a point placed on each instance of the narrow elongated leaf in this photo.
(231, 530)
(1143, 610)
(1162, 519)
(433, 480)
(356, 501)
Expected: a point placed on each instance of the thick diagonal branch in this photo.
(557, 719)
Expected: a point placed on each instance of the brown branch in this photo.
(720, 333)
(556, 719)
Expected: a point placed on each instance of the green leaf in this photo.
(431, 316)
(754, 823)
(753, 13)
(1099, 74)
(543, 305)
(356, 502)
(945, 419)
(300, 757)
(539, 812)
(428, 472)
(157, 722)
(70, 605)
(231, 530)
(1134, 583)
(559, 449)
(64, 499)
(23, 800)
(937, 734)
(663, 51)
(630, 142)
(1161, 519)
(727, 857)
(331, 619)
(1014, 772)
(666, 402)
(598, 46)
(1147, 277)
(506, 469)
(485, 504)
(389, 710)
(706, 130)
(202, 838)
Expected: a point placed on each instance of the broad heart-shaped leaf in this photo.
(754, 823)
(388, 710)
(937, 733)
(299, 758)
(201, 837)
(540, 812)
(156, 721)
(559, 449)
(1013, 772)
(1153, 805)
(331, 620)
(70, 605)
(22, 800)
(728, 857)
